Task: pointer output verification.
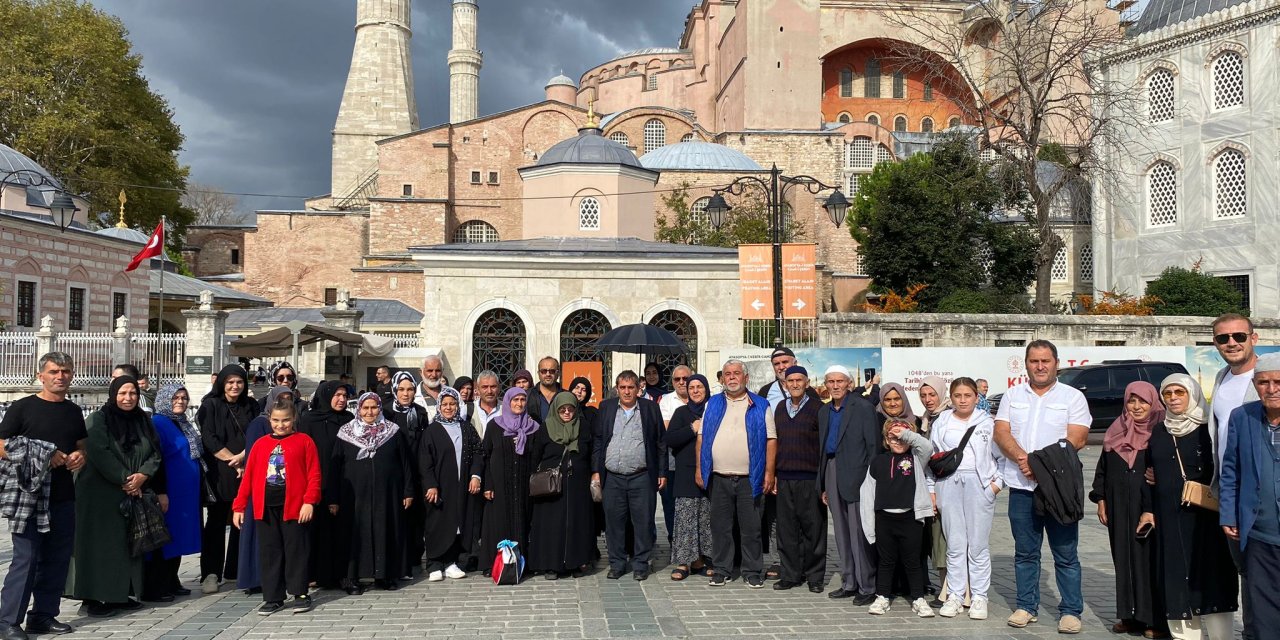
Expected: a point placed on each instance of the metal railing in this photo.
(403, 339)
(91, 353)
(18, 357)
(795, 333)
(162, 356)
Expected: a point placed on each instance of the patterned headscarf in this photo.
(368, 436)
(164, 407)
(446, 390)
(1181, 424)
(283, 364)
(401, 376)
(516, 425)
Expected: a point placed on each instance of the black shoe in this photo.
(842, 593)
(718, 580)
(14, 632)
(50, 627)
(97, 609)
(783, 585)
(755, 582)
(181, 591)
(640, 574)
(157, 597)
(302, 604)
(269, 608)
(128, 605)
(352, 589)
(936, 603)
(815, 588)
(253, 591)
(392, 585)
(614, 574)
(864, 599)
(551, 575)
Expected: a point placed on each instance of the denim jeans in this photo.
(38, 570)
(1028, 535)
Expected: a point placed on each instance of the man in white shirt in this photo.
(1033, 415)
(488, 405)
(429, 389)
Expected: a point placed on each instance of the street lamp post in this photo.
(776, 188)
(62, 209)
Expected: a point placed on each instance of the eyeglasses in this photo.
(1239, 337)
(565, 409)
(547, 370)
(286, 378)
(679, 378)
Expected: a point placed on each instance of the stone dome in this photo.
(125, 233)
(696, 155)
(562, 80)
(589, 147)
(11, 160)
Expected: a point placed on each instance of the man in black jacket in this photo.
(630, 464)
(849, 436)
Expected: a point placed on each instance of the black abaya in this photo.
(456, 514)
(506, 474)
(412, 423)
(370, 495)
(562, 536)
(1123, 488)
(328, 559)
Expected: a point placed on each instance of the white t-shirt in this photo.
(668, 405)
(1038, 421)
(1226, 397)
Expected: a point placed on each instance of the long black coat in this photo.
(562, 536)
(456, 509)
(506, 474)
(1138, 594)
(328, 556)
(682, 442)
(369, 494)
(412, 425)
(222, 426)
(1195, 565)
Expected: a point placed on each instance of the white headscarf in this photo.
(1181, 424)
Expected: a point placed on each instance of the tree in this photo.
(746, 223)
(1027, 74)
(1189, 292)
(928, 220)
(1119, 303)
(212, 206)
(73, 98)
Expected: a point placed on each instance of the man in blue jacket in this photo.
(1250, 494)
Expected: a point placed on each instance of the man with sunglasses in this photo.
(548, 386)
(1234, 338)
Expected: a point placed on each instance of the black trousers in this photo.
(38, 568)
(629, 499)
(452, 555)
(1246, 611)
(415, 522)
(802, 532)
(732, 503)
(160, 576)
(1262, 563)
(284, 549)
(898, 538)
(219, 553)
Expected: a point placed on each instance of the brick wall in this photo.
(322, 248)
(406, 286)
(208, 251)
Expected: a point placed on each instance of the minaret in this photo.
(378, 101)
(464, 64)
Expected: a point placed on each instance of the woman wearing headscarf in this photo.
(181, 453)
(466, 388)
(894, 405)
(581, 389)
(503, 467)
(284, 374)
(327, 415)
(1121, 492)
(561, 537)
(224, 414)
(368, 489)
(691, 535)
(1199, 580)
(412, 418)
(123, 456)
(522, 379)
(935, 398)
(248, 577)
(446, 456)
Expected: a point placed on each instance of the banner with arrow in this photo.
(799, 281)
(755, 277)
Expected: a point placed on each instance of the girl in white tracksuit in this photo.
(966, 499)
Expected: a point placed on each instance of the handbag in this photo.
(147, 529)
(945, 463)
(548, 483)
(508, 563)
(1194, 493)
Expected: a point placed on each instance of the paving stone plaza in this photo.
(593, 607)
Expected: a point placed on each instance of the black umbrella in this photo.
(641, 338)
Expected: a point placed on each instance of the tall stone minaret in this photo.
(378, 101)
(464, 63)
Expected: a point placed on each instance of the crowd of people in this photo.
(422, 477)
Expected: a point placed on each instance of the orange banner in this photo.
(799, 281)
(755, 277)
(593, 371)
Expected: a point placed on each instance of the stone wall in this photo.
(322, 248)
(207, 249)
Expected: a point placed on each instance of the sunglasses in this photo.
(547, 370)
(286, 378)
(679, 379)
(1223, 338)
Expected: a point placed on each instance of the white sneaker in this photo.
(951, 608)
(978, 608)
(436, 576)
(879, 607)
(209, 585)
(453, 572)
(922, 608)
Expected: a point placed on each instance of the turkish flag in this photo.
(155, 244)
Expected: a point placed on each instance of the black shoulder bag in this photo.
(945, 463)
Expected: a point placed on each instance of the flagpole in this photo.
(160, 321)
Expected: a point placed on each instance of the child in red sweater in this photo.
(282, 475)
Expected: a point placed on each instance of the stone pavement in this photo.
(593, 607)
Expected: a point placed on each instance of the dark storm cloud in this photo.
(255, 84)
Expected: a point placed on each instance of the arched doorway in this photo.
(578, 335)
(498, 343)
(682, 325)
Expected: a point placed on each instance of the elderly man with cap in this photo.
(802, 521)
(849, 436)
(1250, 494)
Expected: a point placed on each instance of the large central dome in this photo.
(588, 147)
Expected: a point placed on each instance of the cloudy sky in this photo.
(255, 84)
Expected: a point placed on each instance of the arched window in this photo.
(1086, 262)
(682, 325)
(899, 85)
(900, 123)
(589, 214)
(874, 119)
(578, 337)
(844, 118)
(1160, 96)
(882, 154)
(846, 83)
(698, 210)
(475, 231)
(620, 138)
(871, 84)
(860, 263)
(1162, 195)
(859, 154)
(1228, 80)
(928, 90)
(1058, 273)
(498, 344)
(688, 137)
(926, 125)
(1229, 186)
(655, 135)
(953, 122)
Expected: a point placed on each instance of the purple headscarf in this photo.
(516, 425)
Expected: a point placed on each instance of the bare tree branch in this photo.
(212, 206)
